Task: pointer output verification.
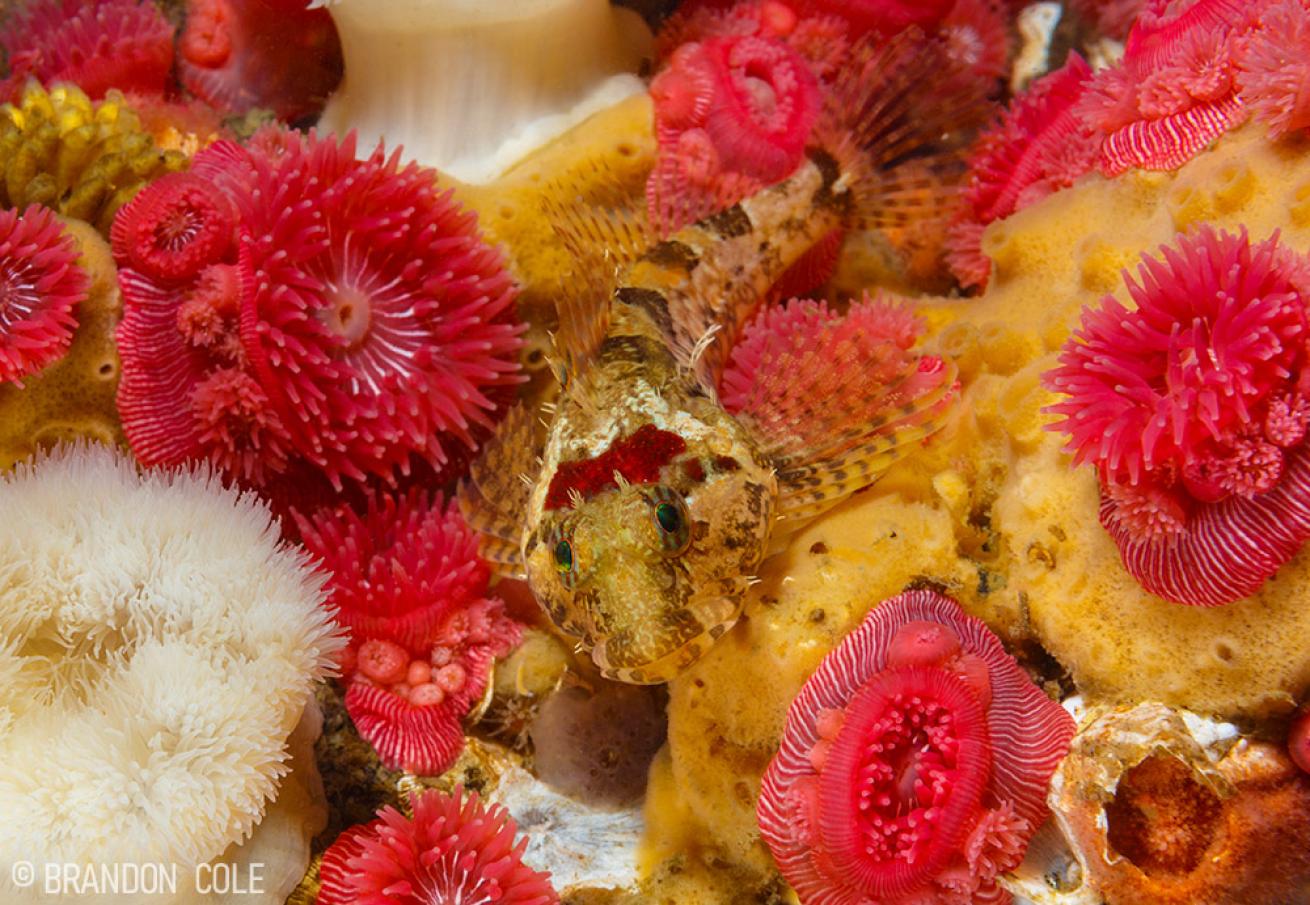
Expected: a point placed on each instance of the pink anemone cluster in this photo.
(41, 285)
(1039, 145)
(1194, 409)
(822, 40)
(409, 585)
(1175, 90)
(276, 54)
(732, 115)
(96, 44)
(288, 303)
(1273, 74)
(453, 850)
(913, 765)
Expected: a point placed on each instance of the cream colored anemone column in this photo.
(472, 86)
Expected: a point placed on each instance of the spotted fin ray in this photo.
(494, 495)
(835, 399)
(600, 219)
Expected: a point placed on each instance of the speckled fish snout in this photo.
(659, 648)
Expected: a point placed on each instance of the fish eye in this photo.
(671, 520)
(564, 556)
(561, 551)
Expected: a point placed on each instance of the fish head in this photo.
(648, 576)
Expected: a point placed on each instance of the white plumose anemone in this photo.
(158, 644)
(473, 86)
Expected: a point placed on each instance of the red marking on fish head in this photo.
(638, 458)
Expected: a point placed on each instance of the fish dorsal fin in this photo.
(493, 497)
(599, 216)
(834, 400)
(708, 278)
(898, 118)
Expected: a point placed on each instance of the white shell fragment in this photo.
(581, 846)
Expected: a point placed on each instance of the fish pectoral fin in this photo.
(599, 216)
(834, 399)
(812, 481)
(494, 496)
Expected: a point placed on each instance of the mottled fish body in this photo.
(645, 507)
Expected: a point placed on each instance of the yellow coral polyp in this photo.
(82, 158)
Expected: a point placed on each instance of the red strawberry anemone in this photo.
(731, 115)
(379, 322)
(186, 392)
(1194, 409)
(454, 850)
(1174, 92)
(95, 44)
(914, 763)
(1038, 146)
(407, 581)
(40, 286)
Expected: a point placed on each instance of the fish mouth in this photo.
(660, 656)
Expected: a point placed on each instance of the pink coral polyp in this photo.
(399, 567)
(914, 763)
(171, 232)
(1193, 408)
(1273, 75)
(913, 758)
(185, 391)
(453, 850)
(379, 322)
(41, 285)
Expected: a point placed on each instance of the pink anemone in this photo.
(1273, 75)
(1039, 145)
(95, 44)
(1194, 409)
(274, 54)
(399, 568)
(41, 285)
(408, 583)
(1174, 92)
(913, 765)
(823, 40)
(186, 392)
(731, 116)
(454, 849)
(379, 322)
